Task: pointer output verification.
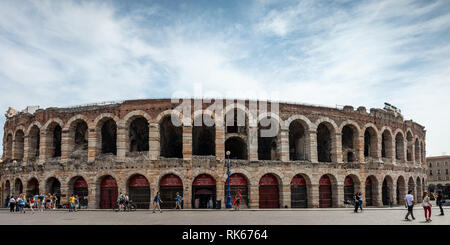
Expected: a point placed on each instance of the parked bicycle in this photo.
(127, 206)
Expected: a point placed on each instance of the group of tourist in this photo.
(426, 204)
(21, 203)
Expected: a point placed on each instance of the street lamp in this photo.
(228, 164)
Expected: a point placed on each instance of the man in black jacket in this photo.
(439, 201)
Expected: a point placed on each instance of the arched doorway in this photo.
(269, 192)
(369, 193)
(18, 187)
(237, 182)
(299, 195)
(139, 191)
(54, 187)
(80, 188)
(401, 192)
(8, 189)
(349, 189)
(169, 185)
(386, 192)
(32, 187)
(204, 189)
(108, 192)
(325, 194)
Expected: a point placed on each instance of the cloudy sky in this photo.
(63, 53)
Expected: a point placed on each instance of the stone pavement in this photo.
(341, 216)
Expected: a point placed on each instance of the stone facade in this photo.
(384, 148)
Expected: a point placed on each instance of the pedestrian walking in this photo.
(12, 204)
(439, 201)
(356, 202)
(21, 203)
(426, 206)
(7, 201)
(360, 201)
(237, 200)
(77, 203)
(178, 201)
(31, 203)
(71, 203)
(409, 203)
(156, 202)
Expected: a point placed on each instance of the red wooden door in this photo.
(268, 192)
(108, 193)
(325, 200)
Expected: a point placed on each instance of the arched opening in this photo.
(370, 143)
(401, 190)
(19, 145)
(32, 187)
(324, 143)
(80, 189)
(79, 135)
(8, 188)
(298, 142)
(399, 147)
(268, 139)
(169, 185)
(9, 147)
(171, 138)
(109, 137)
(386, 144)
(236, 122)
(299, 193)
(204, 190)
(370, 191)
(386, 191)
(139, 191)
(204, 137)
(325, 192)
(138, 135)
(349, 143)
(417, 151)
(409, 149)
(269, 196)
(349, 189)
(18, 187)
(108, 192)
(237, 148)
(237, 182)
(54, 136)
(53, 187)
(34, 141)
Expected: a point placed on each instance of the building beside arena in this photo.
(319, 157)
(438, 174)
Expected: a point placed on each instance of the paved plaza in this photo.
(343, 216)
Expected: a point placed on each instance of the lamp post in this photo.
(228, 164)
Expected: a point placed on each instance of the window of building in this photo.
(446, 177)
(446, 171)
(430, 164)
(431, 172)
(438, 171)
(439, 177)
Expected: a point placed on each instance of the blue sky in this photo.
(63, 53)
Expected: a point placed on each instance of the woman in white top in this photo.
(426, 206)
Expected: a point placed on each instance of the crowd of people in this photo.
(21, 203)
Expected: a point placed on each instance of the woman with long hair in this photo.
(426, 206)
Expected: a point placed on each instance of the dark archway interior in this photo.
(81, 136)
(399, 144)
(204, 140)
(34, 141)
(9, 146)
(138, 135)
(297, 141)
(171, 139)
(323, 143)
(57, 131)
(19, 149)
(109, 137)
(237, 148)
(409, 138)
(236, 122)
(348, 150)
(267, 146)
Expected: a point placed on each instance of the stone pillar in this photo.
(360, 146)
(338, 198)
(253, 143)
(93, 145)
(394, 193)
(220, 142)
(413, 152)
(220, 193)
(254, 196)
(154, 143)
(187, 142)
(26, 148)
(337, 148)
(43, 147)
(64, 193)
(362, 188)
(93, 196)
(313, 148)
(284, 146)
(392, 151)
(378, 201)
(285, 195)
(315, 195)
(378, 153)
(65, 145)
(405, 148)
(187, 196)
(121, 143)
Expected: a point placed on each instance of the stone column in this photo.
(378, 201)
(360, 146)
(313, 148)
(315, 195)
(337, 148)
(187, 196)
(220, 142)
(93, 196)
(93, 145)
(284, 146)
(121, 143)
(253, 143)
(220, 193)
(43, 147)
(392, 151)
(65, 145)
(285, 196)
(394, 193)
(339, 196)
(362, 188)
(378, 153)
(254, 196)
(26, 148)
(154, 143)
(64, 193)
(187, 142)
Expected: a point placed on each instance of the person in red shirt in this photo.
(237, 200)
